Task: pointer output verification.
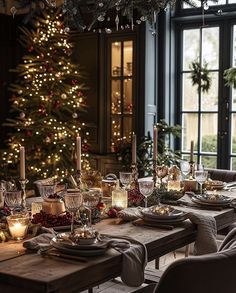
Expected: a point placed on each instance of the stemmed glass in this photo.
(185, 168)
(201, 177)
(126, 179)
(73, 201)
(146, 188)
(13, 199)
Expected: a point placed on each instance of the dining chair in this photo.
(210, 273)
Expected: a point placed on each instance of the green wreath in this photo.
(200, 76)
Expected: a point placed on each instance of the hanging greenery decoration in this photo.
(230, 77)
(200, 76)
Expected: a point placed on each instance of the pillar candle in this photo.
(154, 143)
(134, 149)
(78, 153)
(22, 162)
(191, 150)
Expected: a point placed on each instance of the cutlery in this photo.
(49, 253)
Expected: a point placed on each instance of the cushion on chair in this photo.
(222, 175)
(201, 274)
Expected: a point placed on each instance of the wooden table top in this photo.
(34, 273)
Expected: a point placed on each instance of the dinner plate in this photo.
(60, 239)
(210, 204)
(73, 251)
(209, 198)
(165, 221)
(147, 213)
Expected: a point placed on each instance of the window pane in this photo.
(189, 131)
(127, 126)
(115, 97)
(191, 41)
(190, 94)
(233, 163)
(115, 131)
(128, 58)
(127, 101)
(233, 136)
(233, 99)
(209, 130)
(210, 47)
(116, 59)
(219, 2)
(231, 1)
(209, 161)
(210, 99)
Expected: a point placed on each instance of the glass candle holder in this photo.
(36, 207)
(120, 198)
(18, 225)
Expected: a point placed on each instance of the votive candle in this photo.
(22, 162)
(78, 153)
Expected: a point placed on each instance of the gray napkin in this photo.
(130, 214)
(41, 240)
(229, 240)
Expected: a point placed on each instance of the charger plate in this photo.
(173, 214)
(210, 199)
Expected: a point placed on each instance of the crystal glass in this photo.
(126, 179)
(47, 189)
(73, 201)
(201, 177)
(146, 188)
(185, 168)
(13, 199)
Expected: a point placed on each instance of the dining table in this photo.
(26, 271)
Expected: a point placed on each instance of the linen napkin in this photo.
(134, 259)
(130, 214)
(206, 233)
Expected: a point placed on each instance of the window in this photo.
(207, 118)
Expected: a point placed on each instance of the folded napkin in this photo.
(134, 259)
(40, 241)
(206, 233)
(229, 240)
(130, 214)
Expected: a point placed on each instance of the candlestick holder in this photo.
(78, 178)
(191, 172)
(154, 173)
(134, 171)
(23, 183)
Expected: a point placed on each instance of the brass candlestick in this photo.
(191, 172)
(154, 173)
(78, 179)
(23, 183)
(134, 171)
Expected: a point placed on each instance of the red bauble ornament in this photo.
(101, 206)
(74, 81)
(112, 213)
(85, 148)
(57, 104)
(79, 94)
(50, 69)
(30, 49)
(28, 133)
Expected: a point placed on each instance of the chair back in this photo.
(210, 273)
(223, 175)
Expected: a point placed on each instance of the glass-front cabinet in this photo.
(121, 91)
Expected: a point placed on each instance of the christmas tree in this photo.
(46, 101)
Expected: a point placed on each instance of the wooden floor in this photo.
(116, 286)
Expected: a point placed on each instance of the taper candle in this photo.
(155, 143)
(78, 153)
(134, 149)
(22, 162)
(191, 150)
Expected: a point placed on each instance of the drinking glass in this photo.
(47, 189)
(73, 201)
(146, 188)
(125, 179)
(13, 199)
(185, 168)
(201, 177)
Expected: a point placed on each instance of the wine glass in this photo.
(146, 188)
(13, 199)
(185, 168)
(73, 201)
(201, 177)
(125, 179)
(47, 189)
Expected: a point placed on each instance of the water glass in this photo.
(13, 199)
(125, 179)
(146, 188)
(73, 201)
(201, 177)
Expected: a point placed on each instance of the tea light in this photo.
(120, 198)
(190, 185)
(18, 225)
(36, 207)
(173, 185)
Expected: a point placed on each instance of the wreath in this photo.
(200, 76)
